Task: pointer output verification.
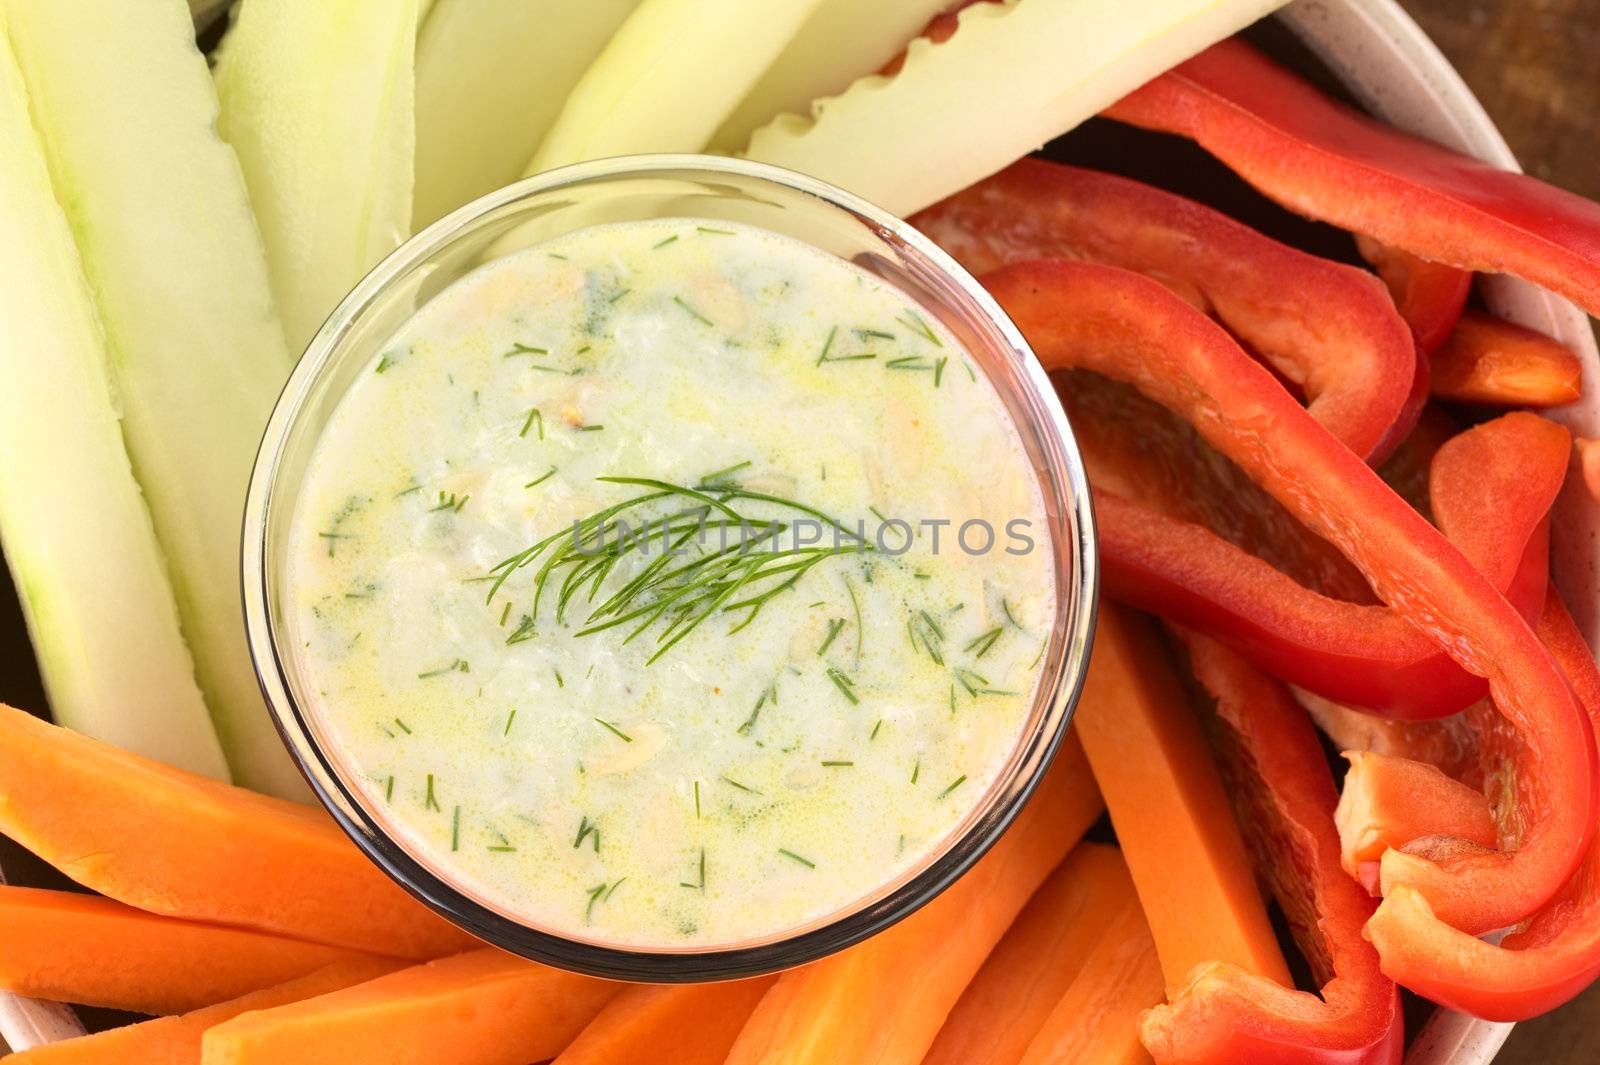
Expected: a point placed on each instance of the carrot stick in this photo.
(1167, 803)
(1041, 955)
(1491, 361)
(185, 846)
(884, 1001)
(176, 1040)
(1097, 1021)
(668, 1024)
(68, 947)
(485, 1007)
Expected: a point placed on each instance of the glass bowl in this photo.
(632, 189)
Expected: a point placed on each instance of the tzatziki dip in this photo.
(671, 584)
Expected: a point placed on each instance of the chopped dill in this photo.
(985, 642)
(874, 733)
(429, 801)
(873, 334)
(735, 784)
(509, 719)
(708, 230)
(970, 680)
(455, 829)
(535, 419)
(614, 730)
(460, 665)
(587, 830)
(560, 683)
(403, 726)
(844, 684)
(451, 502)
(662, 244)
(953, 785)
(388, 789)
(771, 692)
(697, 800)
(836, 763)
(505, 614)
(914, 321)
(523, 631)
(696, 315)
(827, 346)
(699, 886)
(588, 428)
(543, 477)
(834, 628)
(792, 856)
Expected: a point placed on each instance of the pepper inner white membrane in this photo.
(787, 720)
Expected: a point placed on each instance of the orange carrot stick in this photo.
(884, 1001)
(668, 1024)
(186, 846)
(1167, 803)
(1014, 993)
(484, 1007)
(81, 948)
(1494, 362)
(176, 1040)
(1097, 1021)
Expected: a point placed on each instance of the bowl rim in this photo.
(1063, 478)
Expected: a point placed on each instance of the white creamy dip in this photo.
(773, 734)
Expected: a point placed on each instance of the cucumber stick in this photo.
(672, 74)
(491, 78)
(317, 101)
(74, 527)
(1013, 76)
(843, 41)
(158, 205)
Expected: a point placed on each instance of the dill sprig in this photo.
(690, 580)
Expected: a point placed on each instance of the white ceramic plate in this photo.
(1396, 72)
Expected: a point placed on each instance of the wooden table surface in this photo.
(1533, 63)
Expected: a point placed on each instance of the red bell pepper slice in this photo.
(1430, 296)
(1490, 361)
(1130, 328)
(1537, 967)
(1285, 797)
(1497, 481)
(1329, 162)
(1331, 329)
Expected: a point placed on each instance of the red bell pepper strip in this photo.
(1498, 480)
(1285, 797)
(1537, 967)
(1379, 810)
(1331, 329)
(1430, 296)
(1130, 328)
(1491, 361)
(1329, 162)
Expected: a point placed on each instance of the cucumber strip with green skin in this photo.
(317, 100)
(491, 78)
(1013, 76)
(674, 71)
(75, 530)
(158, 207)
(843, 41)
